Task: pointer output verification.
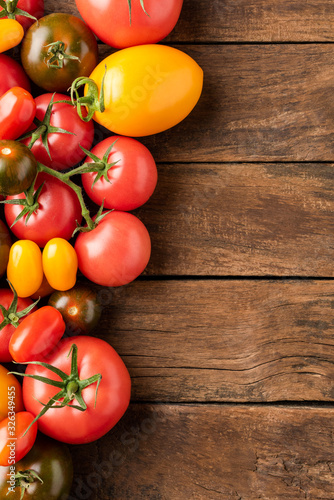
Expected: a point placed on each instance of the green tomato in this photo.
(79, 307)
(18, 167)
(48, 461)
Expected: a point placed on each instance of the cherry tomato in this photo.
(34, 8)
(12, 75)
(10, 394)
(131, 181)
(68, 424)
(79, 307)
(18, 167)
(60, 264)
(5, 244)
(15, 312)
(147, 89)
(116, 251)
(13, 444)
(25, 270)
(64, 148)
(150, 27)
(57, 213)
(11, 34)
(45, 473)
(17, 111)
(57, 49)
(37, 335)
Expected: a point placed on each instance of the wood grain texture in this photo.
(224, 340)
(259, 103)
(161, 452)
(242, 219)
(244, 20)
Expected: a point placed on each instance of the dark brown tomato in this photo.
(18, 167)
(51, 462)
(79, 307)
(5, 243)
(57, 49)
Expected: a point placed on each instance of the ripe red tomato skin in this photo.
(23, 444)
(12, 75)
(144, 29)
(6, 298)
(56, 217)
(64, 148)
(17, 111)
(33, 7)
(132, 180)
(116, 252)
(37, 335)
(70, 425)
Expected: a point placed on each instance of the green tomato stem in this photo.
(77, 189)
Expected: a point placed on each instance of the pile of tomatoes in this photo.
(75, 387)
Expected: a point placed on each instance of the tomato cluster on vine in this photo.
(75, 387)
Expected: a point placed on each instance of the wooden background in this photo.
(229, 334)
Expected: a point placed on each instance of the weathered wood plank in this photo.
(242, 219)
(224, 340)
(260, 103)
(244, 20)
(197, 452)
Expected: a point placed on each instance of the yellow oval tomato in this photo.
(147, 89)
(10, 394)
(60, 264)
(25, 270)
(11, 34)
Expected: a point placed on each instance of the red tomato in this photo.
(37, 335)
(68, 424)
(116, 252)
(131, 181)
(17, 111)
(6, 299)
(55, 217)
(33, 7)
(64, 148)
(12, 75)
(145, 28)
(13, 445)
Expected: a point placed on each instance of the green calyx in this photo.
(130, 8)
(70, 386)
(30, 203)
(11, 316)
(93, 101)
(98, 165)
(99, 216)
(11, 10)
(56, 55)
(44, 129)
(23, 479)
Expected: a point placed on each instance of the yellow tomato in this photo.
(147, 89)
(25, 270)
(60, 264)
(10, 394)
(11, 34)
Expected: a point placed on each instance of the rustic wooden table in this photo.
(229, 334)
